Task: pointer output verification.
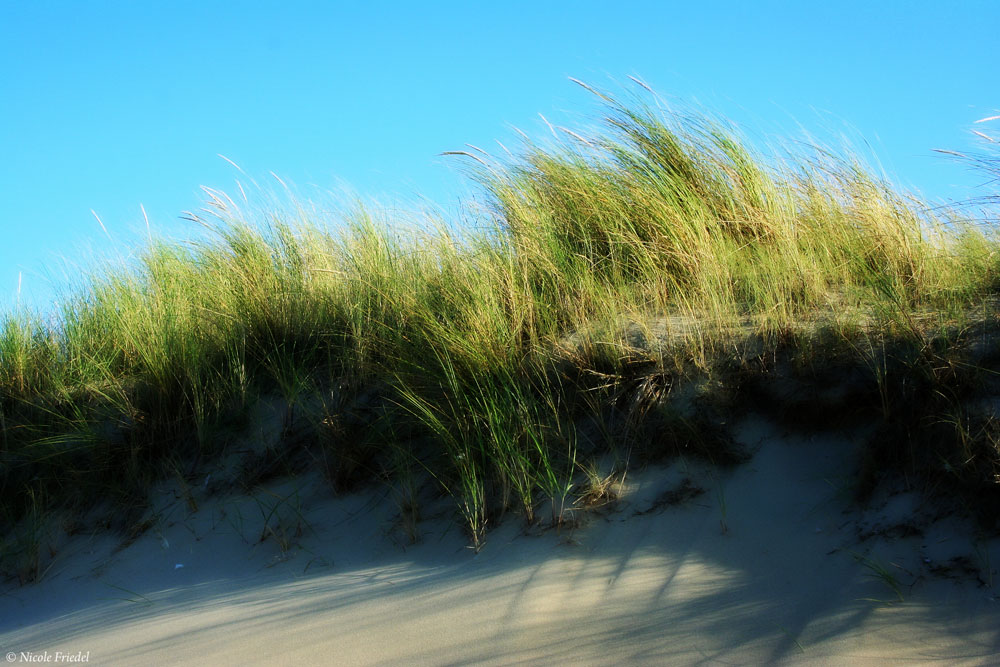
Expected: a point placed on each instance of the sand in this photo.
(765, 563)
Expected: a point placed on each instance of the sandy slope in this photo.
(792, 579)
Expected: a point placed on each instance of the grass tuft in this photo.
(624, 293)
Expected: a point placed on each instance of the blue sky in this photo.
(109, 105)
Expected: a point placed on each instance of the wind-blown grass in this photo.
(607, 274)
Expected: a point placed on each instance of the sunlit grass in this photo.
(610, 279)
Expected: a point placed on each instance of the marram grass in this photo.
(618, 294)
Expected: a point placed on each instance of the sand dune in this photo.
(766, 563)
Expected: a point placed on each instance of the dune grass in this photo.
(616, 297)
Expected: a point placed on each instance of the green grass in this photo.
(879, 572)
(617, 295)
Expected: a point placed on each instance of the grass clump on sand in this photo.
(622, 295)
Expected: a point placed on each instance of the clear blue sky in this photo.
(106, 105)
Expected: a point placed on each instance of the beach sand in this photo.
(769, 562)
